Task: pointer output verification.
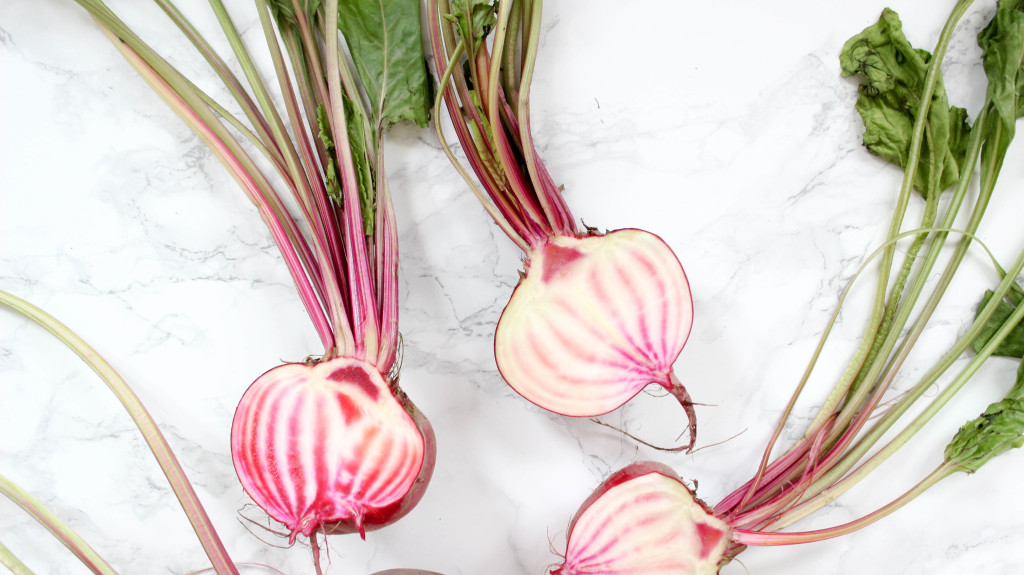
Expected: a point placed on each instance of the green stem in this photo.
(868, 387)
(182, 98)
(828, 488)
(8, 560)
(759, 538)
(529, 204)
(85, 553)
(883, 343)
(481, 196)
(974, 222)
(265, 140)
(252, 75)
(522, 102)
(841, 391)
(551, 201)
(906, 189)
(940, 235)
(143, 420)
(756, 509)
(509, 59)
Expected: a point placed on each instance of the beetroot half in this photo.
(594, 320)
(643, 520)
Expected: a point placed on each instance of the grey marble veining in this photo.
(724, 128)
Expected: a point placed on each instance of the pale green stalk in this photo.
(838, 488)
(840, 392)
(529, 58)
(890, 417)
(265, 141)
(509, 52)
(767, 538)
(10, 561)
(906, 189)
(263, 97)
(85, 553)
(202, 121)
(494, 110)
(488, 206)
(894, 413)
(143, 420)
(828, 481)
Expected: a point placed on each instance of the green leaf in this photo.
(331, 169)
(1013, 345)
(364, 170)
(385, 40)
(1002, 44)
(360, 159)
(892, 75)
(474, 20)
(1017, 391)
(999, 429)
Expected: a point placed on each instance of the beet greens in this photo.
(908, 122)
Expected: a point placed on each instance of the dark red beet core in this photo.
(358, 377)
(556, 259)
(710, 537)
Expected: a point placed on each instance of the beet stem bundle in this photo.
(330, 444)
(910, 123)
(596, 317)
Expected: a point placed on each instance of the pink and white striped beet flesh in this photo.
(594, 320)
(643, 520)
(327, 447)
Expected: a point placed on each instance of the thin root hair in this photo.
(250, 521)
(722, 442)
(676, 449)
(554, 551)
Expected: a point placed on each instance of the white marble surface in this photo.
(723, 127)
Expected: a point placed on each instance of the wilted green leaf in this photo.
(364, 171)
(1017, 391)
(1001, 427)
(1002, 44)
(892, 74)
(360, 159)
(998, 430)
(474, 20)
(1013, 345)
(385, 40)
(331, 169)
